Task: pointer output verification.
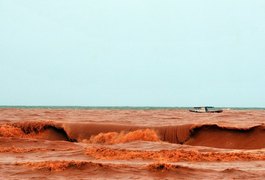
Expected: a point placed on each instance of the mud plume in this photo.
(124, 137)
(7, 130)
(81, 131)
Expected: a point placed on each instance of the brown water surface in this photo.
(136, 144)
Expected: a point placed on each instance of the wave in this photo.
(210, 135)
(62, 165)
(171, 155)
(186, 172)
(20, 150)
(171, 167)
(158, 167)
(35, 130)
(124, 137)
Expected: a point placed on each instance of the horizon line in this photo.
(117, 107)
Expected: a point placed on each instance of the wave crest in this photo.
(34, 130)
(124, 137)
(209, 135)
(61, 165)
(171, 155)
(7, 130)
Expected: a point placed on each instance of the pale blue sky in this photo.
(132, 53)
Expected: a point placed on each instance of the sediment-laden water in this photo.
(131, 143)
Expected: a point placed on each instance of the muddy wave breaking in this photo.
(211, 135)
(124, 137)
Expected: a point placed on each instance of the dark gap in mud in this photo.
(213, 135)
(227, 137)
(216, 128)
(62, 132)
(30, 128)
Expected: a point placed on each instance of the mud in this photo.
(122, 144)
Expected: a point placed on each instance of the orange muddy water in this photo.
(131, 144)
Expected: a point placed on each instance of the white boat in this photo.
(206, 109)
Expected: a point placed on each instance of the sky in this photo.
(132, 53)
